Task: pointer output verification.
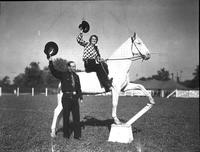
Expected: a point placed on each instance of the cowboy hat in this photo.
(84, 26)
(51, 49)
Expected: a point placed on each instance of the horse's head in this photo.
(139, 48)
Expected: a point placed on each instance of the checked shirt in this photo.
(89, 50)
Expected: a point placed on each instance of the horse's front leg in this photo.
(57, 112)
(115, 98)
(132, 86)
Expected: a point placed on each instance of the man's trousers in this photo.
(70, 104)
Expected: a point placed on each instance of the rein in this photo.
(131, 58)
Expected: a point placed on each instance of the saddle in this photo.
(90, 83)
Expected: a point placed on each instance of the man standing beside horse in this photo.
(70, 86)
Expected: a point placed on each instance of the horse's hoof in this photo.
(152, 101)
(53, 134)
(117, 121)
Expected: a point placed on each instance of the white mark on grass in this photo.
(139, 147)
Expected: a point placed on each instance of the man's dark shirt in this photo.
(66, 80)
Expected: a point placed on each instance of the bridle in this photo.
(134, 58)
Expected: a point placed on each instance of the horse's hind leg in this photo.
(57, 112)
(132, 86)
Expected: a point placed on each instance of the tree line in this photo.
(34, 76)
(164, 75)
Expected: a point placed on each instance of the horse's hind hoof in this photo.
(117, 121)
(151, 100)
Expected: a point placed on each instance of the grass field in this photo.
(172, 125)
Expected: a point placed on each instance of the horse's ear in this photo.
(134, 35)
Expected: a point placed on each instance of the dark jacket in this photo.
(66, 81)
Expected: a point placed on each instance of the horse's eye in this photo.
(138, 43)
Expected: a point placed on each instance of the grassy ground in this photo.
(172, 125)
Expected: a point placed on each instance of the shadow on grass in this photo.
(92, 121)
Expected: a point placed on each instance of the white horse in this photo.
(118, 64)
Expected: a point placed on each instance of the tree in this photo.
(33, 75)
(194, 83)
(162, 75)
(49, 80)
(145, 79)
(60, 64)
(196, 76)
(19, 80)
(5, 81)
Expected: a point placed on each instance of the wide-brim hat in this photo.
(84, 26)
(51, 47)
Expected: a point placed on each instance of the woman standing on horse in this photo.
(91, 57)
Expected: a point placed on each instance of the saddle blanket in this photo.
(90, 83)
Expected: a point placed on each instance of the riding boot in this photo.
(110, 81)
(108, 85)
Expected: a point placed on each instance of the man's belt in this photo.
(70, 93)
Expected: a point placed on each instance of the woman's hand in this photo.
(99, 59)
(102, 60)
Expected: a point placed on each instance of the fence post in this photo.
(32, 91)
(176, 93)
(162, 93)
(14, 91)
(0, 91)
(17, 91)
(46, 91)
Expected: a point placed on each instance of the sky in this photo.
(169, 29)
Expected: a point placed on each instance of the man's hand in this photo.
(50, 58)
